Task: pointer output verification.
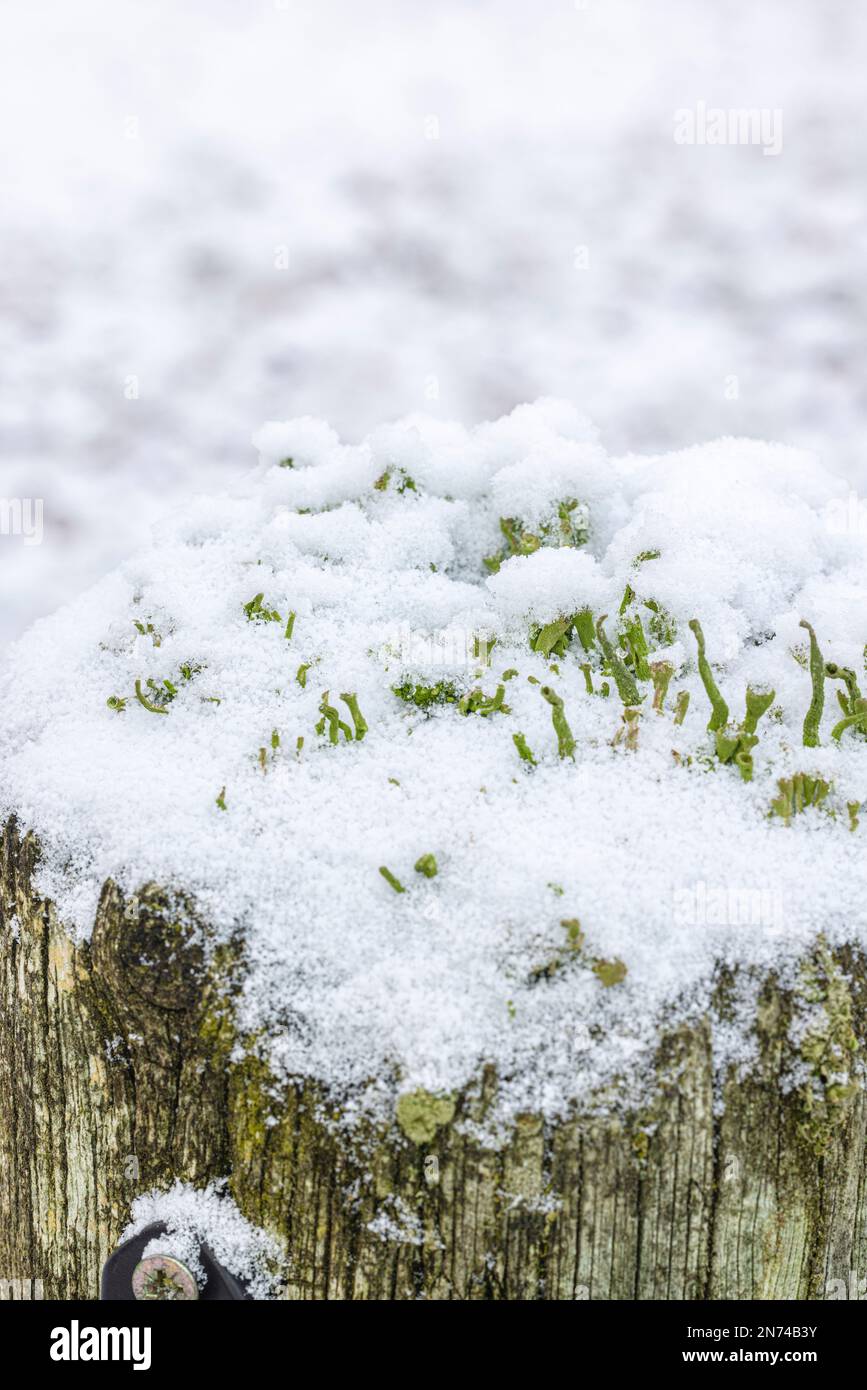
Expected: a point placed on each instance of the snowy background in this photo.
(217, 213)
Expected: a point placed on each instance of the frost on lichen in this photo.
(425, 697)
(607, 972)
(568, 524)
(294, 704)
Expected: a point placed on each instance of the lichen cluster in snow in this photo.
(437, 562)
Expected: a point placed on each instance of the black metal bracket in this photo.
(116, 1284)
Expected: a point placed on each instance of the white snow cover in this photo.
(214, 208)
(378, 549)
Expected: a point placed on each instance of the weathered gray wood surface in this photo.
(116, 1075)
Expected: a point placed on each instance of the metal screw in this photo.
(163, 1277)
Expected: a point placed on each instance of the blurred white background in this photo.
(220, 211)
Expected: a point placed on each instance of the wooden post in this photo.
(120, 1071)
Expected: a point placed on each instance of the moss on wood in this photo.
(120, 1069)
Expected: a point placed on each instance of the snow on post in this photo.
(450, 786)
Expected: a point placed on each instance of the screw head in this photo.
(163, 1277)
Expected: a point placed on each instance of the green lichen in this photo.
(609, 972)
(483, 646)
(259, 612)
(254, 1102)
(221, 799)
(147, 703)
(573, 523)
(565, 741)
(331, 719)
(523, 749)
(585, 628)
(856, 719)
(628, 597)
(661, 673)
(828, 1047)
(660, 624)
(148, 630)
(116, 702)
(574, 933)
(627, 733)
(634, 642)
(391, 879)
(797, 794)
(736, 750)
(813, 716)
(477, 702)
(735, 745)
(518, 540)
(275, 745)
(641, 1145)
(569, 525)
(623, 678)
(425, 697)
(850, 681)
(758, 702)
(681, 705)
(553, 638)
(404, 482)
(421, 1113)
(426, 864)
(350, 699)
(719, 708)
